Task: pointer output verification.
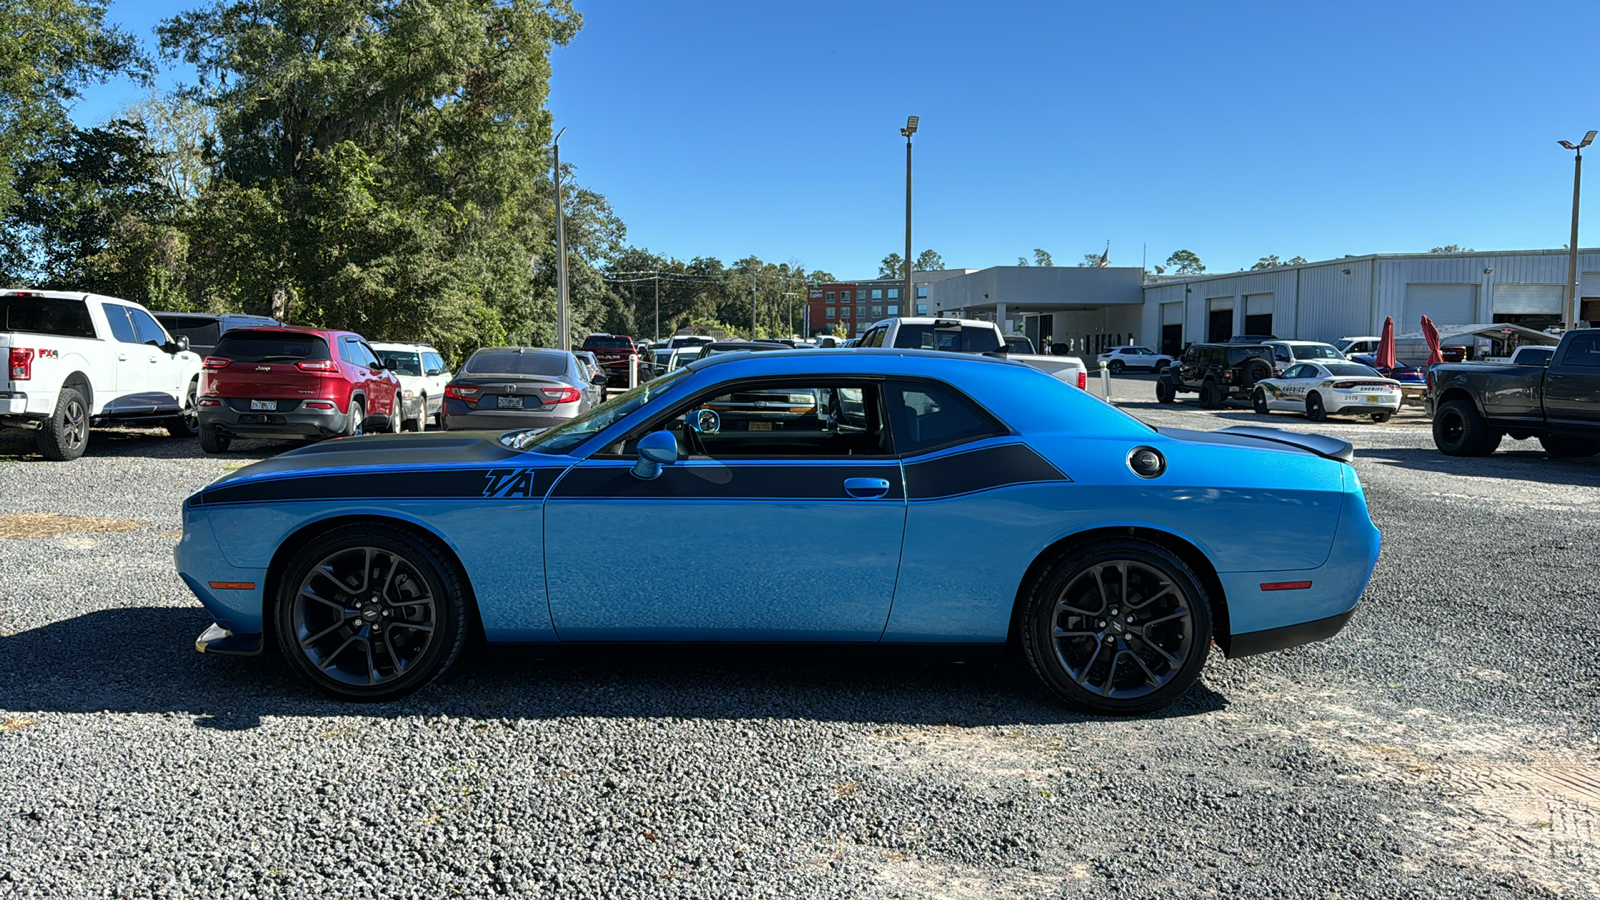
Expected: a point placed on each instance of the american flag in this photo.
(1105, 258)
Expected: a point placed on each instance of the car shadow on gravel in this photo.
(116, 443)
(1521, 460)
(139, 660)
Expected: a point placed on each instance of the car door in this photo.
(777, 523)
(132, 365)
(164, 371)
(1295, 381)
(1572, 383)
(385, 384)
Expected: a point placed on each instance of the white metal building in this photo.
(1324, 301)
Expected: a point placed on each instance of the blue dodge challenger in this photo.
(875, 496)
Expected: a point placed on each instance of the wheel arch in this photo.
(1456, 392)
(307, 532)
(80, 382)
(1181, 547)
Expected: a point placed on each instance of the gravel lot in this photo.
(1443, 745)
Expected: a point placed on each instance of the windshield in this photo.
(1314, 351)
(406, 362)
(515, 362)
(570, 434)
(965, 339)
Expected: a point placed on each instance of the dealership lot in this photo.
(1444, 744)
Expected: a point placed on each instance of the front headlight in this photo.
(409, 394)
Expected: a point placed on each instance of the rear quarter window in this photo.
(280, 346)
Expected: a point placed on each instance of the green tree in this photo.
(1267, 262)
(50, 52)
(1185, 262)
(929, 261)
(892, 267)
(1296, 261)
(383, 166)
(1042, 258)
(1090, 260)
(1022, 260)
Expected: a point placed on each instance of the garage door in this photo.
(1529, 299)
(1172, 313)
(1445, 304)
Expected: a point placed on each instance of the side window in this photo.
(149, 332)
(928, 416)
(781, 420)
(1300, 371)
(368, 357)
(1583, 351)
(346, 351)
(1282, 354)
(121, 328)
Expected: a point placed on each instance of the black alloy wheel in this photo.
(1121, 627)
(371, 612)
(65, 435)
(1458, 430)
(1117, 366)
(1259, 401)
(1314, 409)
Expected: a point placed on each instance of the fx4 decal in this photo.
(506, 483)
(49, 354)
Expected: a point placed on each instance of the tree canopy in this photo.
(1185, 262)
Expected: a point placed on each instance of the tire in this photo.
(1164, 392)
(1253, 371)
(1566, 446)
(1259, 401)
(422, 414)
(187, 425)
(1314, 408)
(1382, 417)
(1458, 430)
(1074, 612)
(1117, 366)
(1161, 366)
(1211, 396)
(358, 411)
(395, 411)
(64, 435)
(212, 440)
(379, 646)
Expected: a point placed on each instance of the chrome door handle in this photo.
(866, 488)
(122, 357)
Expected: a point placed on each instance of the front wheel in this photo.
(371, 612)
(187, 424)
(1259, 401)
(1164, 392)
(1566, 446)
(1314, 408)
(1120, 627)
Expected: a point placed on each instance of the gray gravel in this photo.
(1443, 745)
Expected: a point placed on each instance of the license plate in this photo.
(510, 402)
(267, 405)
(760, 426)
(1373, 398)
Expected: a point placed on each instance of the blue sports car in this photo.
(919, 497)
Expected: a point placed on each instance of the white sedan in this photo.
(1119, 358)
(1328, 388)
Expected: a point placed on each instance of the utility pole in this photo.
(1570, 318)
(908, 131)
(563, 333)
(657, 280)
(752, 304)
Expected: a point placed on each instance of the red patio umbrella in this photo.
(1430, 333)
(1385, 359)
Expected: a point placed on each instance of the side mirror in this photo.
(656, 449)
(434, 372)
(177, 345)
(599, 378)
(375, 423)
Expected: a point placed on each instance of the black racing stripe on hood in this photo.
(495, 482)
(978, 470)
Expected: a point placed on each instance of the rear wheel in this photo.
(64, 435)
(1314, 409)
(1120, 627)
(371, 612)
(1458, 430)
(1161, 366)
(358, 411)
(1164, 392)
(1210, 395)
(1117, 366)
(1566, 446)
(212, 440)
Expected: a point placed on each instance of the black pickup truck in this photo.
(1473, 406)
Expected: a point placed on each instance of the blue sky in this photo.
(1234, 130)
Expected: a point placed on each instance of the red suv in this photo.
(291, 384)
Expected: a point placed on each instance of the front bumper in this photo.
(293, 424)
(219, 640)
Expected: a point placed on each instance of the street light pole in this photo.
(563, 334)
(1570, 318)
(907, 132)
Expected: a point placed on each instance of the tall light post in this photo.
(907, 132)
(1570, 319)
(563, 334)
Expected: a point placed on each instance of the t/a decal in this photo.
(506, 483)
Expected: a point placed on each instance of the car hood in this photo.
(444, 449)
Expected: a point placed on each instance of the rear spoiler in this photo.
(1320, 444)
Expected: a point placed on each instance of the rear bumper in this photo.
(293, 425)
(460, 417)
(1273, 639)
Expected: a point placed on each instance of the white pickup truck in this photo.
(76, 360)
(967, 336)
